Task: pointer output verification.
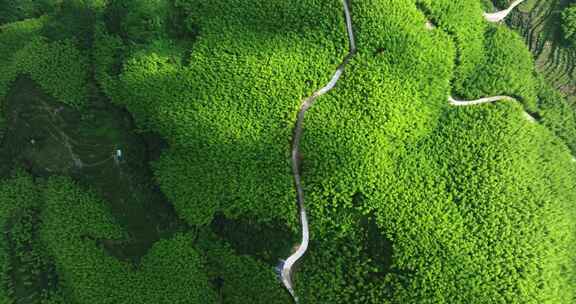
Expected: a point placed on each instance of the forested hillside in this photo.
(146, 146)
(548, 29)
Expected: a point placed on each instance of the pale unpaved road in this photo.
(286, 268)
(501, 15)
(460, 103)
(465, 103)
(490, 17)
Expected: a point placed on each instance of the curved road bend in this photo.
(530, 117)
(286, 267)
(464, 103)
(460, 103)
(501, 15)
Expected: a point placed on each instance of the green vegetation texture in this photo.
(410, 200)
(569, 24)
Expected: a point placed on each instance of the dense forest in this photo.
(145, 154)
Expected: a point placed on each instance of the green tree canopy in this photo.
(14, 10)
(146, 19)
(569, 23)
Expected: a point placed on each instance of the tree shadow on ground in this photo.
(98, 147)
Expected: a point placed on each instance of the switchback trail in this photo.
(286, 267)
(501, 15)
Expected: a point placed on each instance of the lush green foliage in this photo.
(240, 278)
(569, 23)
(230, 136)
(480, 210)
(183, 23)
(493, 167)
(557, 114)
(508, 69)
(351, 133)
(356, 147)
(356, 167)
(464, 22)
(75, 221)
(15, 10)
(540, 24)
(172, 271)
(14, 37)
(491, 61)
(146, 19)
(16, 194)
(74, 20)
(58, 67)
(410, 201)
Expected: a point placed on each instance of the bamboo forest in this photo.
(287, 151)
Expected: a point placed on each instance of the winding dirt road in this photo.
(464, 103)
(529, 117)
(501, 15)
(286, 267)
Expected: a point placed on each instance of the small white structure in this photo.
(118, 155)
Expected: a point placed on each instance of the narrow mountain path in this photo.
(465, 103)
(286, 267)
(529, 117)
(460, 103)
(501, 15)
